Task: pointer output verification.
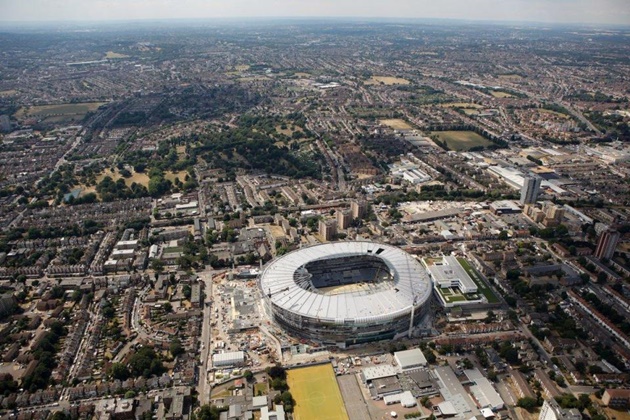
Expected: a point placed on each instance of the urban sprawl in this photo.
(314, 220)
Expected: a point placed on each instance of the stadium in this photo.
(346, 293)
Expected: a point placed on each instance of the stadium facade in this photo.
(346, 293)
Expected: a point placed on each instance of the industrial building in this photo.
(229, 359)
(346, 293)
(483, 391)
(410, 359)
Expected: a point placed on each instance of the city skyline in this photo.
(615, 12)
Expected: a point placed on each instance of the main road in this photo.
(203, 387)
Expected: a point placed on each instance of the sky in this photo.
(549, 11)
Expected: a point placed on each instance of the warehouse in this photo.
(483, 391)
(230, 359)
(410, 359)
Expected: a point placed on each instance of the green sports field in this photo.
(462, 140)
(316, 393)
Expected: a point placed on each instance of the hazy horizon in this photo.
(603, 12)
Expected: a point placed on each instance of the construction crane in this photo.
(279, 291)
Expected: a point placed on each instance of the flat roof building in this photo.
(410, 359)
(455, 396)
(483, 391)
(450, 273)
(377, 372)
(234, 358)
(406, 399)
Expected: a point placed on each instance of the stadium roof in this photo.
(396, 298)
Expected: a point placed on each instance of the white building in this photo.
(410, 359)
(410, 172)
(234, 358)
(483, 391)
(406, 399)
(552, 411)
(450, 273)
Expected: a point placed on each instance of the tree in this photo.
(513, 274)
(186, 290)
(276, 371)
(157, 265)
(248, 375)
(287, 401)
(491, 317)
(430, 356)
(168, 307)
(77, 295)
(528, 403)
(209, 412)
(145, 362)
(119, 371)
(279, 384)
(176, 348)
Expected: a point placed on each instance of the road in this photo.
(203, 387)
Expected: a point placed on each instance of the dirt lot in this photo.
(397, 124)
(386, 80)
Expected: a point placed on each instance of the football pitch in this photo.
(316, 393)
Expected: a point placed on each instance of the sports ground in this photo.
(316, 393)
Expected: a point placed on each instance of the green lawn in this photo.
(260, 388)
(462, 140)
(174, 249)
(316, 393)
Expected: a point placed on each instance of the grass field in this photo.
(171, 175)
(396, 124)
(557, 114)
(137, 177)
(462, 140)
(316, 393)
(261, 389)
(386, 80)
(461, 105)
(499, 94)
(67, 110)
(112, 54)
(509, 77)
(289, 130)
